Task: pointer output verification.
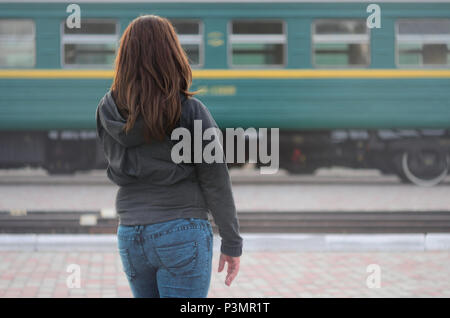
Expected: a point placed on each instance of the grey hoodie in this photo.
(152, 188)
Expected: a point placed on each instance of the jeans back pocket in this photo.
(178, 259)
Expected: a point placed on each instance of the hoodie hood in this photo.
(130, 158)
(112, 121)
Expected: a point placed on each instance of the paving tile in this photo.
(263, 274)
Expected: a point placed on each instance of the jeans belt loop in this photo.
(139, 229)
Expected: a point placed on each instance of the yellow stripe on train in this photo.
(233, 73)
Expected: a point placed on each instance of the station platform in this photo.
(262, 274)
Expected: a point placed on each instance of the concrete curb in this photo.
(252, 242)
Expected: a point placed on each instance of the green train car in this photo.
(341, 90)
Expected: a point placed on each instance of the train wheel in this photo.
(425, 167)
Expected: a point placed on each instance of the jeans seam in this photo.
(141, 243)
(130, 271)
(209, 257)
(160, 263)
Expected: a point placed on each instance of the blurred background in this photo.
(361, 98)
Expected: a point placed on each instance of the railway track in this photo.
(236, 179)
(238, 176)
(250, 222)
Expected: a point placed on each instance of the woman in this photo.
(164, 236)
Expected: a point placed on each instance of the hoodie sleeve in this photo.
(215, 183)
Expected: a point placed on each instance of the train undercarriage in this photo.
(415, 156)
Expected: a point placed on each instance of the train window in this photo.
(190, 36)
(257, 43)
(423, 42)
(341, 43)
(17, 43)
(92, 45)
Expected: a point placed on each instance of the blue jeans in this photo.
(168, 259)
